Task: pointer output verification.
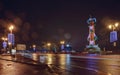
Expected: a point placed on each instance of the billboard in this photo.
(11, 38)
(4, 44)
(113, 36)
(21, 47)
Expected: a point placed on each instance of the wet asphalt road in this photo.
(81, 66)
(14, 68)
(62, 64)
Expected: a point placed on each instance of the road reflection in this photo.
(79, 66)
(61, 59)
(112, 67)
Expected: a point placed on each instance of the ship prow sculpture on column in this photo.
(92, 47)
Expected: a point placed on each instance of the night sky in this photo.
(39, 21)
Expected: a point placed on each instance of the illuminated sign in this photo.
(11, 38)
(113, 36)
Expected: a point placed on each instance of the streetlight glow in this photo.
(11, 28)
(11, 39)
(62, 42)
(34, 46)
(113, 26)
(113, 33)
(49, 44)
(4, 39)
(116, 24)
(110, 26)
(9, 43)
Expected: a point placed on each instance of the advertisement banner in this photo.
(11, 38)
(113, 36)
(21, 47)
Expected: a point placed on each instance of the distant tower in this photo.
(92, 47)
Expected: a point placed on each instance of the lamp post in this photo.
(10, 47)
(4, 44)
(11, 28)
(49, 46)
(11, 38)
(34, 48)
(4, 38)
(113, 33)
(113, 26)
(62, 44)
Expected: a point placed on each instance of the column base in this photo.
(93, 49)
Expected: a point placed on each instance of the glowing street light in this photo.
(110, 26)
(34, 47)
(11, 28)
(113, 34)
(113, 26)
(48, 45)
(62, 44)
(116, 24)
(11, 39)
(4, 39)
(4, 43)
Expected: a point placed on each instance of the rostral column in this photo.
(92, 47)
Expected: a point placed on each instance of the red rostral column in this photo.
(92, 47)
(91, 37)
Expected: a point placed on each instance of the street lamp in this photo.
(113, 26)
(113, 33)
(11, 28)
(62, 44)
(34, 48)
(48, 45)
(4, 43)
(4, 38)
(11, 37)
(10, 47)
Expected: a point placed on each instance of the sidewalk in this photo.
(20, 59)
(44, 68)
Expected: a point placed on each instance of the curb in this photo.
(23, 62)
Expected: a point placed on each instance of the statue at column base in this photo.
(93, 49)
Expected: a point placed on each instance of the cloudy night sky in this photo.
(37, 21)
